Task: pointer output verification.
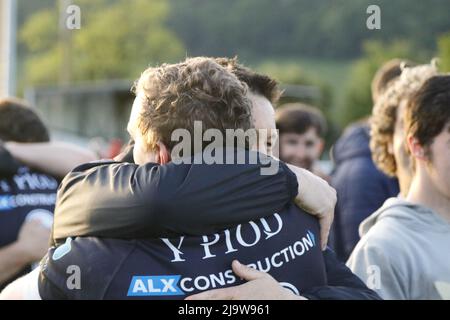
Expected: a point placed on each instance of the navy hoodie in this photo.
(361, 187)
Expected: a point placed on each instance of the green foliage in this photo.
(293, 73)
(287, 72)
(444, 52)
(259, 29)
(357, 102)
(307, 40)
(117, 39)
(119, 36)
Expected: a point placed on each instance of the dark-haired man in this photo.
(302, 129)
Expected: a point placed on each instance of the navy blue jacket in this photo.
(361, 187)
(24, 193)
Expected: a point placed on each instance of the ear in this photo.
(163, 153)
(416, 148)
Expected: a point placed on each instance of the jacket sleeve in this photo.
(342, 283)
(8, 165)
(124, 200)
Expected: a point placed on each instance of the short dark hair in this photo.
(388, 72)
(20, 123)
(256, 82)
(428, 111)
(299, 118)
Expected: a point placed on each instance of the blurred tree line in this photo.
(252, 29)
(118, 38)
(320, 28)
(358, 100)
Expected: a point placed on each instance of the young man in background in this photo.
(403, 250)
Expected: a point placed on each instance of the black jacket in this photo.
(360, 186)
(126, 201)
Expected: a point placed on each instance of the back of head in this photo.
(198, 89)
(390, 71)
(299, 118)
(20, 123)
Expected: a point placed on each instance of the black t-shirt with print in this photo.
(26, 193)
(286, 245)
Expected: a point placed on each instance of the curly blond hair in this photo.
(384, 113)
(198, 89)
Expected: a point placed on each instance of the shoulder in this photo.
(387, 232)
(82, 268)
(384, 245)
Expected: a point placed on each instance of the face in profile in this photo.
(263, 115)
(301, 150)
(439, 162)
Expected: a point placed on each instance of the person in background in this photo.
(361, 186)
(302, 129)
(403, 252)
(31, 167)
(27, 196)
(55, 158)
